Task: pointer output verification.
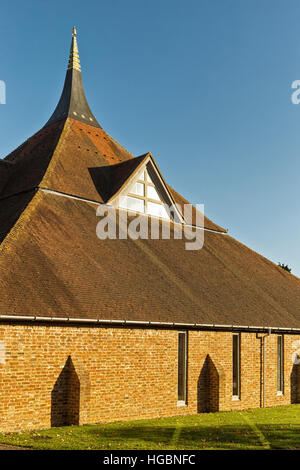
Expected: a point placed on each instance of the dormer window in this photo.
(143, 190)
(144, 197)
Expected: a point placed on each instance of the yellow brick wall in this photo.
(121, 374)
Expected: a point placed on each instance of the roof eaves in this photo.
(200, 326)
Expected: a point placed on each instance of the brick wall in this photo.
(54, 375)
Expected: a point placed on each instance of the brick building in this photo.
(97, 329)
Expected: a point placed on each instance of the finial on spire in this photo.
(74, 62)
(73, 103)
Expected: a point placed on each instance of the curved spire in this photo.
(73, 102)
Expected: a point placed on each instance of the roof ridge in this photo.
(52, 163)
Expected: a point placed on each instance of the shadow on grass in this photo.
(193, 437)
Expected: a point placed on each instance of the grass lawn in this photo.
(270, 428)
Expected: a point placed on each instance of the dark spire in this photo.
(73, 102)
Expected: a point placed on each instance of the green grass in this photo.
(270, 428)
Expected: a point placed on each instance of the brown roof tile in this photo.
(80, 149)
(53, 264)
(109, 179)
(24, 168)
(73, 158)
(208, 224)
(10, 210)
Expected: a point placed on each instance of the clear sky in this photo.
(205, 85)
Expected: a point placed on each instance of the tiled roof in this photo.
(10, 210)
(80, 149)
(24, 168)
(52, 264)
(110, 178)
(73, 158)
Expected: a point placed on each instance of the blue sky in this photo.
(205, 85)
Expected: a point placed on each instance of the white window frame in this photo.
(157, 183)
(145, 198)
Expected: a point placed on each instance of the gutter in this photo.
(100, 321)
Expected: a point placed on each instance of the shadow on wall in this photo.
(65, 397)
(209, 386)
(295, 383)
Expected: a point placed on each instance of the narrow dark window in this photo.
(236, 365)
(182, 366)
(280, 364)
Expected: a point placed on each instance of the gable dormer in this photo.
(146, 192)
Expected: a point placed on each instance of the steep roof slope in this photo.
(23, 169)
(52, 264)
(65, 157)
(10, 210)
